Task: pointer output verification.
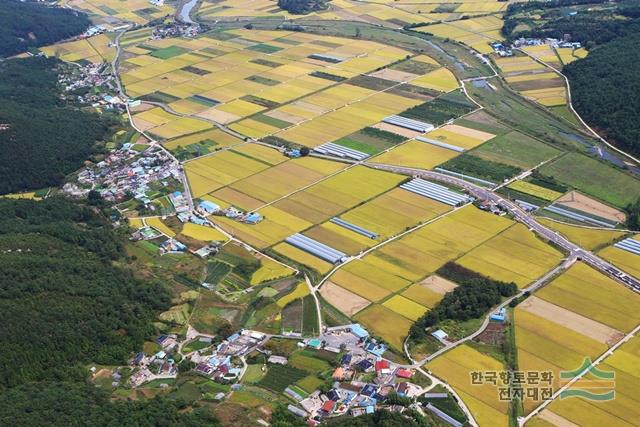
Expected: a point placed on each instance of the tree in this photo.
(304, 151)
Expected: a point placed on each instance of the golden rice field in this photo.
(220, 138)
(548, 346)
(271, 270)
(535, 190)
(560, 340)
(515, 255)
(416, 154)
(544, 53)
(405, 307)
(393, 212)
(623, 259)
(396, 267)
(455, 367)
(623, 410)
(160, 226)
(137, 11)
(475, 32)
(203, 233)
(95, 50)
(385, 323)
(584, 237)
(588, 292)
(567, 56)
(300, 291)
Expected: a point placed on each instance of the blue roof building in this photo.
(499, 316)
(359, 331)
(209, 206)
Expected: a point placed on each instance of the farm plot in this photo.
(515, 255)
(160, 226)
(342, 299)
(385, 323)
(416, 154)
(394, 212)
(532, 79)
(594, 178)
(265, 83)
(534, 190)
(280, 377)
(515, 149)
(95, 50)
(585, 204)
(623, 410)
(393, 268)
(476, 32)
(585, 237)
(276, 182)
(138, 11)
(483, 401)
(207, 174)
(604, 301)
(201, 143)
(579, 314)
(203, 233)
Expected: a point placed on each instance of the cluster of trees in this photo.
(78, 404)
(633, 215)
(601, 88)
(474, 296)
(591, 28)
(66, 303)
(302, 7)
(42, 139)
(24, 25)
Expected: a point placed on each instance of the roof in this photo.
(404, 373)
(440, 334)
(328, 406)
(359, 331)
(382, 364)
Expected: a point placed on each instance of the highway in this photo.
(522, 216)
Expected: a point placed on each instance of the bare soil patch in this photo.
(556, 419)
(438, 284)
(394, 75)
(581, 202)
(342, 299)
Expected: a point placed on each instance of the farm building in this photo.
(499, 316)
(440, 335)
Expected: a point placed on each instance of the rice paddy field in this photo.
(622, 410)
(515, 255)
(110, 12)
(299, 88)
(579, 314)
(532, 79)
(594, 178)
(90, 50)
(455, 367)
(423, 155)
(477, 32)
(534, 190)
(391, 277)
(392, 14)
(623, 259)
(588, 238)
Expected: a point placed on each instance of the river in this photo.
(186, 11)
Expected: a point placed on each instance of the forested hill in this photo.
(65, 305)
(301, 7)
(30, 24)
(605, 88)
(41, 139)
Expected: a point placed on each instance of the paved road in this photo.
(522, 216)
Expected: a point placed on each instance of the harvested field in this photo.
(408, 133)
(345, 301)
(586, 204)
(571, 320)
(438, 284)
